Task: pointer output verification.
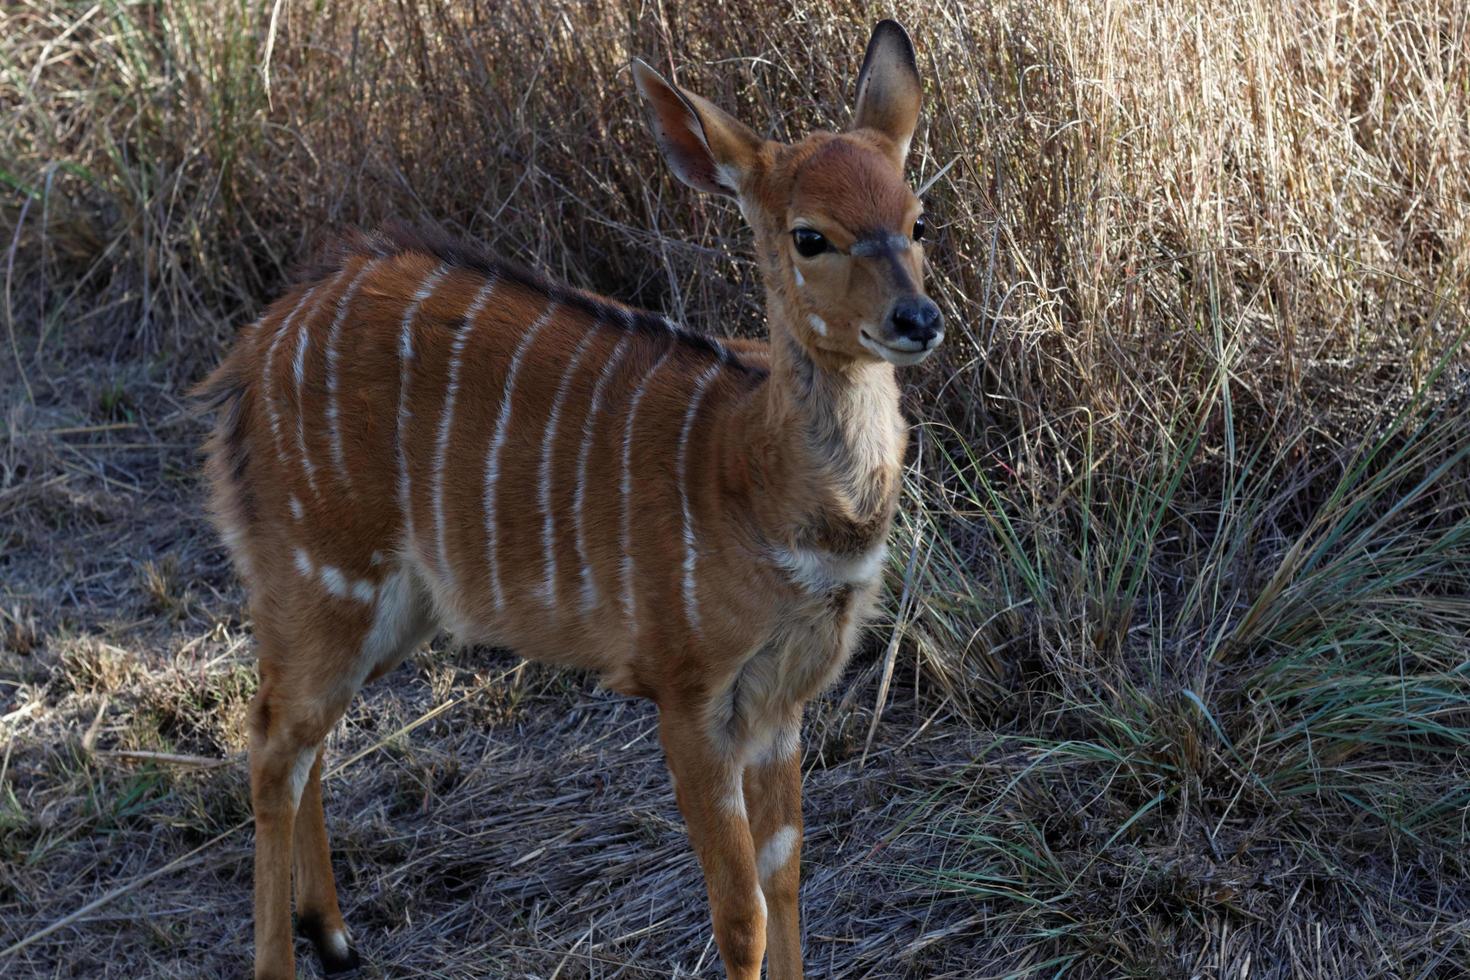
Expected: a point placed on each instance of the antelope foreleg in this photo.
(773, 800)
(711, 797)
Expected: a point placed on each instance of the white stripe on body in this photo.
(492, 457)
(299, 367)
(589, 586)
(548, 528)
(691, 600)
(334, 429)
(405, 374)
(627, 488)
(266, 372)
(446, 421)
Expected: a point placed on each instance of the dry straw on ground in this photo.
(1174, 668)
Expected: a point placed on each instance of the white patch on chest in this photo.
(819, 571)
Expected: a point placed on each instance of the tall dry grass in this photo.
(1189, 529)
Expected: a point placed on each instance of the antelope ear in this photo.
(709, 149)
(888, 88)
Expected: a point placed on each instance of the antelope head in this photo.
(837, 229)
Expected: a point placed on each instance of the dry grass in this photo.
(1177, 682)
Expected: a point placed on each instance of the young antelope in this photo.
(419, 437)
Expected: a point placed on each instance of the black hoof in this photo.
(333, 951)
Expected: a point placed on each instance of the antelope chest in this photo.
(818, 572)
(835, 597)
(812, 637)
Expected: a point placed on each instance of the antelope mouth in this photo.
(900, 351)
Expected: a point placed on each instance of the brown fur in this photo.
(419, 435)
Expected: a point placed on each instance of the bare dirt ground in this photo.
(488, 818)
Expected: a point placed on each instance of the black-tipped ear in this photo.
(708, 149)
(888, 90)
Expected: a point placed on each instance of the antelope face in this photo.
(851, 255)
(837, 228)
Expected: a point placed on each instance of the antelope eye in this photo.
(809, 242)
(919, 228)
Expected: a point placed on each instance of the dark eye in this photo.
(919, 228)
(809, 242)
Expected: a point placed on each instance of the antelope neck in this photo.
(836, 442)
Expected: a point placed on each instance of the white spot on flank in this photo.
(492, 458)
(548, 517)
(335, 581)
(818, 324)
(775, 852)
(334, 430)
(405, 375)
(627, 488)
(446, 422)
(296, 510)
(300, 773)
(599, 392)
(340, 585)
(333, 578)
(691, 599)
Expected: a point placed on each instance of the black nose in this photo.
(916, 318)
